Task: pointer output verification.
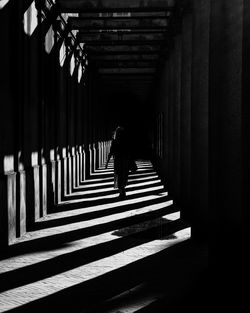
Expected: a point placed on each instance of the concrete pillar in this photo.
(8, 175)
(166, 132)
(225, 98)
(246, 117)
(185, 131)
(170, 124)
(22, 204)
(199, 118)
(84, 170)
(8, 217)
(51, 112)
(176, 116)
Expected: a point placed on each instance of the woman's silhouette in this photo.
(120, 151)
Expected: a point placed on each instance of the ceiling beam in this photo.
(128, 23)
(86, 37)
(121, 14)
(125, 64)
(123, 48)
(72, 6)
(115, 18)
(120, 57)
(123, 28)
(123, 32)
(122, 53)
(92, 43)
(126, 71)
(107, 79)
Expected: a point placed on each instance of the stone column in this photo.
(176, 116)
(225, 98)
(7, 131)
(199, 118)
(246, 116)
(170, 122)
(185, 131)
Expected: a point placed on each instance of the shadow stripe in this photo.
(62, 263)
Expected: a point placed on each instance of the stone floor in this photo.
(97, 258)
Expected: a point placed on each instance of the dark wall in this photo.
(202, 96)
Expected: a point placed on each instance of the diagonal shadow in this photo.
(68, 261)
(108, 285)
(67, 205)
(110, 191)
(72, 235)
(96, 214)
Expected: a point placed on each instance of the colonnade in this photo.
(47, 142)
(51, 136)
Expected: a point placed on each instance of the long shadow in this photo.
(83, 296)
(66, 205)
(94, 180)
(111, 184)
(181, 286)
(109, 192)
(62, 238)
(101, 175)
(71, 260)
(96, 214)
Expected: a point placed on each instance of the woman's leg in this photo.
(122, 192)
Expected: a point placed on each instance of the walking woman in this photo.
(120, 151)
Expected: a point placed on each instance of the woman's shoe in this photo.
(122, 194)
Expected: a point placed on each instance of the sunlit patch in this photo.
(20, 164)
(49, 40)
(64, 152)
(3, 3)
(8, 163)
(42, 156)
(79, 73)
(30, 19)
(52, 155)
(62, 54)
(88, 271)
(183, 234)
(49, 3)
(72, 64)
(67, 15)
(74, 32)
(34, 158)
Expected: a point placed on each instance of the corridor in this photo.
(175, 75)
(77, 247)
